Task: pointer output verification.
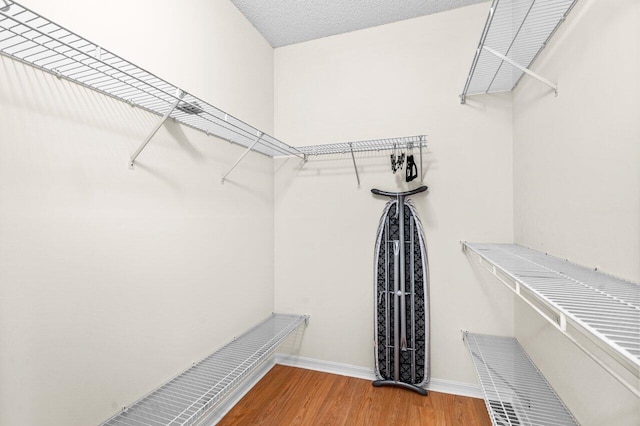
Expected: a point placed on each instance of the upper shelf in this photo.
(369, 145)
(513, 36)
(37, 41)
(30, 38)
(574, 299)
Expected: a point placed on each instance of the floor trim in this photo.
(436, 385)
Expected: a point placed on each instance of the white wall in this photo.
(112, 280)
(577, 183)
(395, 80)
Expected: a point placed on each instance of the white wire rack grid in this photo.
(515, 391)
(606, 306)
(193, 393)
(519, 30)
(365, 146)
(32, 39)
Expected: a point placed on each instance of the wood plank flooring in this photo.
(294, 396)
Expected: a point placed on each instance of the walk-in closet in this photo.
(314, 212)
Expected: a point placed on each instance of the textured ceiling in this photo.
(284, 22)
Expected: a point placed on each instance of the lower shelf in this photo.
(186, 398)
(515, 391)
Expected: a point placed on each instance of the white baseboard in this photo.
(436, 385)
(325, 366)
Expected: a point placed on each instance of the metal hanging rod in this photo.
(576, 301)
(34, 40)
(514, 34)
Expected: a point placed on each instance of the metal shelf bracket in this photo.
(260, 134)
(6, 6)
(355, 166)
(523, 69)
(179, 97)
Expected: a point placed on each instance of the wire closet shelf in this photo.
(33, 39)
(514, 34)
(577, 301)
(191, 395)
(388, 144)
(515, 391)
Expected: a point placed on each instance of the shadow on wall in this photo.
(40, 92)
(46, 95)
(177, 133)
(293, 343)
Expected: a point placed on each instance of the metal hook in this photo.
(6, 7)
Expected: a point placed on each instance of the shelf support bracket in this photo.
(6, 6)
(523, 69)
(260, 134)
(421, 173)
(355, 167)
(179, 97)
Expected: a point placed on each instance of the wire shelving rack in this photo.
(191, 395)
(32, 39)
(35, 40)
(515, 391)
(406, 143)
(514, 34)
(577, 301)
(401, 143)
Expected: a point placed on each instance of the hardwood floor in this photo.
(294, 396)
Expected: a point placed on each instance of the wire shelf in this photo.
(515, 391)
(519, 30)
(364, 146)
(605, 306)
(190, 395)
(33, 39)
